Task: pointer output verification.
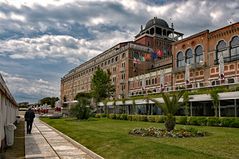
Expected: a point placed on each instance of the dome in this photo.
(156, 21)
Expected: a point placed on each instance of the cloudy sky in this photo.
(40, 41)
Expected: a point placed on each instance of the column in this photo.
(235, 104)
(191, 109)
(219, 109)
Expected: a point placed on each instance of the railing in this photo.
(193, 86)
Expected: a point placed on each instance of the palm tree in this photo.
(169, 107)
(82, 109)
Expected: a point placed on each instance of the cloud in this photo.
(31, 88)
(59, 46)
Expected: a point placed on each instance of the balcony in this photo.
(192, 66)
(227, 59)
(122, 81)
(163, 62)
(122, 69)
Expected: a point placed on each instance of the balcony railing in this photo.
(122, 69)
(227, 59)
(122, 81)
(232, 86)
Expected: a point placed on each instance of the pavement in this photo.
(46, 142)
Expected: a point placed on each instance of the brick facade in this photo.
(200, 50)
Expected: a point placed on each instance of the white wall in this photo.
(8, 113)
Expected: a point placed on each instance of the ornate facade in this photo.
(120, 61)
(188, 63)
(201, 51)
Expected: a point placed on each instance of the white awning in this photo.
(101, 104)
(207, 97)
(229, 95)
(143, 101)
(118, 103)
(128, 102)
(200, 98)
(110, 103)
(160, 100)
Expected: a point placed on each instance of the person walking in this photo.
(29, 117)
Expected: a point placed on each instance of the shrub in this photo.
(213, 121)
(226, 122)
(197, 121)
(97, 115)
(160, 119)
(143, 118)
(112, 116)
(181, 120)
(157, 119)
(129, 117)
(103, 115)
(151, 118)
(235, 124)
(118, 116)
(202, 121)
(193, 121)
(123, 117)
(135, 117)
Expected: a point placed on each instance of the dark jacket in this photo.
(29, 115)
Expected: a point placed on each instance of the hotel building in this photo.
(203, 60)
(119, 60)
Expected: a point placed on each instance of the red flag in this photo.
(160, 53)
(147, 56)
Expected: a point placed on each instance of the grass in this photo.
(110, 139)
(17, 151)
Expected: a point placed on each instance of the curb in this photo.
(78, 145)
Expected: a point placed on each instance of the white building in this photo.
(8, 109)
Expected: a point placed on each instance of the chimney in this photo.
(141, 27)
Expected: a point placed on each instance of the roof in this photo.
(156, 21)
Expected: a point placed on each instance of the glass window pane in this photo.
(225, 53)
(221, 45)
(235, 41)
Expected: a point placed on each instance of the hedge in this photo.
(184, 120)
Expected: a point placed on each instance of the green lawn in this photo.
(110, 139)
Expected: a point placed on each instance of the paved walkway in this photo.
(44, 142)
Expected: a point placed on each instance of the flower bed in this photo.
(161, 133)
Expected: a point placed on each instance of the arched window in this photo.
(198, 54)
(123, 55)
(189, 56)
(234, 48)
(180, 60)
(222, 48)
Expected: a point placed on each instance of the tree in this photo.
(134, 106)
(170, 107)
(185, 103)
(82, 109)
(101, 85)
(79, 95)
(49, 101)
(215, 100)
(105, 107)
